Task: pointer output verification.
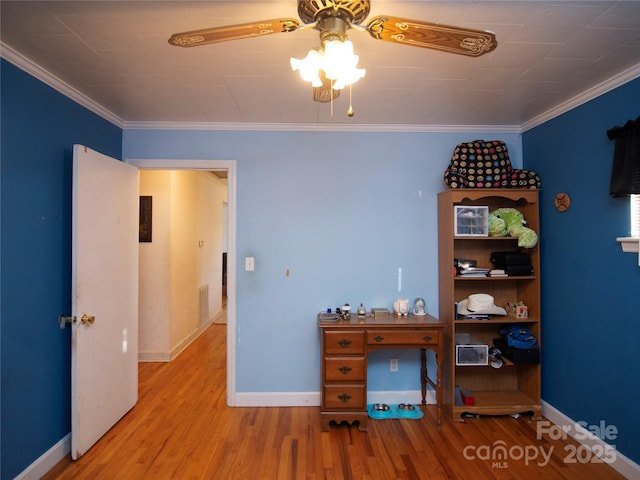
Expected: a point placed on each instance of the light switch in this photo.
(249, 264)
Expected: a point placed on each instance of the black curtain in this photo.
(625, 174)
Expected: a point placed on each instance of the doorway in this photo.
(228, 166)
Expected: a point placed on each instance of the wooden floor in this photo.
(182, 429)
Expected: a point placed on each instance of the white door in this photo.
(104, 339)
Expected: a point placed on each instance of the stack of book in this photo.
(498, 272)
(473, 272)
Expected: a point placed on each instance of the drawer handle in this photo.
(344, 343)
(344, 398)
(345, 370)
(427, 338)
(378, 338)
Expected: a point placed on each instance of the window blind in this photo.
(635, 215)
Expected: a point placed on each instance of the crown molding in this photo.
(54, 82)
(584, 97)
(46, 77)
(333, 127)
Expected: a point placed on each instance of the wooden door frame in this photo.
(230, 167)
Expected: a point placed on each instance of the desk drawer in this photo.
(403, 337)
(344, 369)
(347, 397)
(343, 343)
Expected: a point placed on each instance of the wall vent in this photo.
(203, 305)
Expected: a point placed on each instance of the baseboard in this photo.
(277, 399)
(182, 346)
(154, 357)
(621, 464)
(313, 399)
(149, 356)
(47, 460)
(220, 317)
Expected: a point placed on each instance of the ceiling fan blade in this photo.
(463, 41)
(233, 32)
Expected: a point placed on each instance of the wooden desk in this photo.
(345, 346)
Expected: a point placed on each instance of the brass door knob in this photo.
(87, 319)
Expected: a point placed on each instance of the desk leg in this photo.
(439, 387)
(423, 375)
(424, 381)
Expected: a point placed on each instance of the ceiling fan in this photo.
(333, 18)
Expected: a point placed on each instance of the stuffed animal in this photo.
(510, 222)
(497, 226)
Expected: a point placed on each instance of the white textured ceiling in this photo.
(116, 54)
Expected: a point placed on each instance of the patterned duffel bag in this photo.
(486, 164)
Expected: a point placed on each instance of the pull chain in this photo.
(350, 112)
(331, 98)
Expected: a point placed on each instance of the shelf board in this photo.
(500, 402)
(484, 237)
(462, 278)
(504, 319)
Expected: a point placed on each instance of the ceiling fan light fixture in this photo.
(309, 67)
(333, 66)
(336, 60)
(340, 64)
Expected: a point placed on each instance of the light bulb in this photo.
(309, 67)
(336, 60)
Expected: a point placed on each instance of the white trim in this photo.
(54, 82)
(230, 166)
(313, 399)
(149, 356)
(40, 73)
(321, 127)
(278, 399)
(584, 97)
(630, 244)
(622, 464)
(182, 346)
(47, 460)
(177, 350)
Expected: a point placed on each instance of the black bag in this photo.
(519, 356)
(504, 259)
(517, 270)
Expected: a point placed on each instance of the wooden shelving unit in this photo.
(512, 388)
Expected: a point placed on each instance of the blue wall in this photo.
(342, 212)
(589, 287)
(39, 128)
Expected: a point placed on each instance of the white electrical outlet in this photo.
(393, 365)
(249, 264)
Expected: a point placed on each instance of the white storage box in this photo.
(471, 221)
(470, 351)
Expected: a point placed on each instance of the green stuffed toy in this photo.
(510, 222)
